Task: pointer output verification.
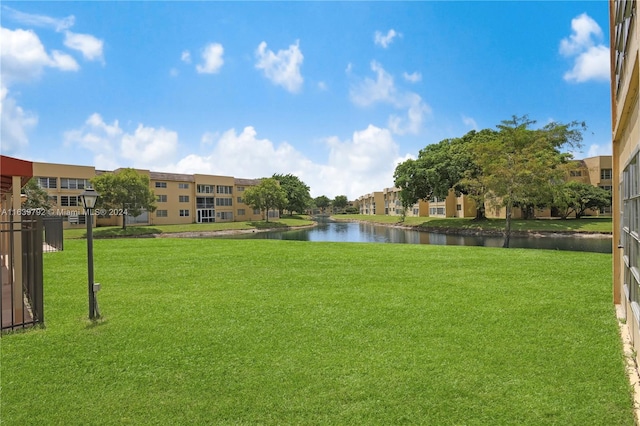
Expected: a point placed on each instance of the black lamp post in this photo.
(89, 198)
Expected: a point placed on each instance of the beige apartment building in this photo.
(180, 198)
(625, 121)
(393, 204)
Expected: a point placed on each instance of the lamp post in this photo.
(89, 198)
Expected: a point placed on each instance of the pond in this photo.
(355, 232)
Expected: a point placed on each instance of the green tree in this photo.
(36, 197)
(127, 190)
(322, 202)
(521, 163)
(265, 196)
(578, 197)
(340, 202)
(297, 194)
(449, 164)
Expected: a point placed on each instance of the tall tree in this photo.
(265, 196)
(297, 194)
(35, 197)
(127, 190)
(440, 167)
(322, 202)
(340, 202)
(578, 197)
(521, 163)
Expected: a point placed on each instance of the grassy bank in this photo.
(211, 331)
(585, 224)
(132, 231)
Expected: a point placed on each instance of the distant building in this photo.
(180, 198)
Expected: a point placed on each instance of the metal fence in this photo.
(53, 235)
(21, 298)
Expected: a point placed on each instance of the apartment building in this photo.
(625, 121)
(393, 204)
(372, 203)
(452, 206)
(180, 198)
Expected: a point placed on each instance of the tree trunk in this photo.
(507, 227)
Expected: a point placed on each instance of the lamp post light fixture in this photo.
(89, 197)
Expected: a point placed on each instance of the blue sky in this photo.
(336, 93)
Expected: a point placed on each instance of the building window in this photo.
(161, 213)
(204, 202)
(204, 189)
(161, 184)
(161, 198)
(47, 182)
(222, 189)
(240, 188)
(575, 173)
(183, 198)
(53, 199)
(256, 211)
(240, 212)
(224, 215)
(458, 207)
(184, 213)
(605, 174)
(239, 199)
(183, 186)
(629, 235)
(69, 183)
(224, 201)
(70, 201)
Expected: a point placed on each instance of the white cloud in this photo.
(322, 86)
(584, 45)
(370, 91)
(185, 56)
(147, 147)
(90, 46)
(24, 58)
(42, 21)
(283, 68)
(353, 167)
(14, 124)
(468, 121)
(213, 60)
(383, 90)
(385, 40)
(590, 65)
(413, 77)
(415, 115)
(596, 150)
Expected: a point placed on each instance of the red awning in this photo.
(10, 167)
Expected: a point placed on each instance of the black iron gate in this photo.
(53, 235)
(21, 298)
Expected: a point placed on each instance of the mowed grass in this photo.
(208, 331)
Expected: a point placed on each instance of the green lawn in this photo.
(585, 224)
(206, 331)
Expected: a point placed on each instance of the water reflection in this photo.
(367, 233)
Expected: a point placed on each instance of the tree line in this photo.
(512, 166)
